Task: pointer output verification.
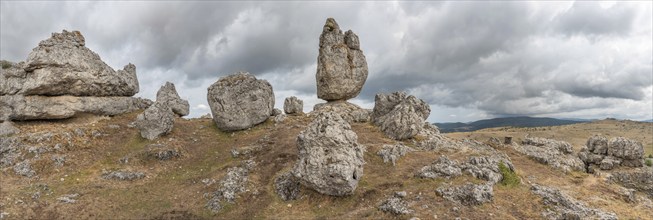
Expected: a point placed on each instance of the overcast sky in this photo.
(468, 60)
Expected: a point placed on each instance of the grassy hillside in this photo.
(179, 188)
(503, 122)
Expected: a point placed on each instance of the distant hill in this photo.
(650, 120)
(503, 122)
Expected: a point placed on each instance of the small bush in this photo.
(5, 64)
(649, 162)
(510, 178)
(650, 155)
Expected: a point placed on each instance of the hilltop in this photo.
(522, 121)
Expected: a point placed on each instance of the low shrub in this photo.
(510, 178)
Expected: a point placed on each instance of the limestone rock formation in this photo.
(398, 115)
(482, 167)
(557, 154)
(155, 121)
(396, 204)
(293, 105)
(63, 65)
(18, 107)
(607, 155)
(350, 112)
(468, 194)
(330, 159)
(287, 186)
(392, 153)
(341, 65)
(167, 94)
(565, 207)
(240, 101)
(640, 179)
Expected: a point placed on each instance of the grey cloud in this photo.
(588, 17)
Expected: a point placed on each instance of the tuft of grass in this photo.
(510, 178)
(649, 162)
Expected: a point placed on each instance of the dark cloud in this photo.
(482, 59)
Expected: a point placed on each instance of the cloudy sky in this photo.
(468, 60)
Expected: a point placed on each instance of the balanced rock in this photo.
(167, 94)
(330, 159)
(399, 116)
(348, 111)
(155, 121)
(293, 105)
(63, 65)
(240, 101)
(341, 65)
(18, 107)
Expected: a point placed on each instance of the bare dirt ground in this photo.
(178, 188)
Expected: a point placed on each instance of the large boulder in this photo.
(167, 94)
(608, 155)
(155, 121)
(18, 107)
(330, 159)
(629, 151)
(398, 115)
(63, 65)
(293, 105)
(240, 101)
(341, 65)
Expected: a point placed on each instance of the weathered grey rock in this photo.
(123, 175)
(18, 107)
(9, 151)
(24, 168)
(352, 113)
(68, 198)
(563, 206)
(287, 186)
(557, 154)
(341, 65)
(63, 65)
(293, 105)
(206, 116)
(155, 121)
(630, 151)
(468, 194)
(330, 159)
(167, 95)
(8, 128)
(396, 204)
(441, 168)
(275, 112)
(399, 116)
(610, 154)
(246, 151)
(161, 152)
(392, 153)
(240, 101)
(640, 179)
(234, 183)
(487, 167)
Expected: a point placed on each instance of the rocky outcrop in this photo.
(293, 105)
(442, 167)
(330, 159)
(18, 107)
(396, 204)
(561, 206)
(62, 78)
(468, 194)
(232, 184)
(63, 65)
(392, 153)
(341, 65)
(481, 167)
(640, 179)
(557, 154)
(240, 101)
(155, 121)
(167, 94)
(352, 113)
(287, 186)
(607, 155)
(399, 116)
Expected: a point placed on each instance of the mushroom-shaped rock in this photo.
(240, 101)
(155, 121)
(167, 94)
(293, 105)
(341, 65)
(399, 116)
(63, 65)
(330, 159)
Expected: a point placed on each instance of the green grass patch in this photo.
(649, 162)
(5, 64)
(510, 178)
